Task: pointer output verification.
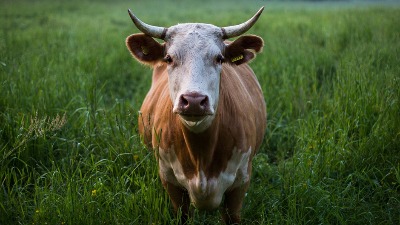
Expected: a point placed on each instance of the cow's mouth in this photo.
(194, 117)
(196, 122)
(193, 120)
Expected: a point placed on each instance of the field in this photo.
(70, 94)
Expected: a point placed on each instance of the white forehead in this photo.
(194, 37)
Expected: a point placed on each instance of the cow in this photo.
(205, 114)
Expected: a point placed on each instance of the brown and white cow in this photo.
(205, 112)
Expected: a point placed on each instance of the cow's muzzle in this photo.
(193, 106)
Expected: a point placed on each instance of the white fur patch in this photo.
(206, 193)
(194, 48)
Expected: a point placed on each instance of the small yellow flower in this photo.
(135, 157)
(37, 211)
(94, 192)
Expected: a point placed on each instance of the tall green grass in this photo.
(70, 92)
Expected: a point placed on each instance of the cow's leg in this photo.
(233, 204)
(180, 199)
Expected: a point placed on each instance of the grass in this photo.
(70, 92)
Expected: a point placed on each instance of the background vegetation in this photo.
(70, 93)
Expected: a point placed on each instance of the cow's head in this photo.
(194, 54)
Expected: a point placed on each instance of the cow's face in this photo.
(194, 54)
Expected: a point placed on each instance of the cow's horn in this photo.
(153, 31)
(237, 30)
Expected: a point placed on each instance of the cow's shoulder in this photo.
(155, 105)
(242, 105)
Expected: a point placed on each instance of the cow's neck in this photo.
(202, 146)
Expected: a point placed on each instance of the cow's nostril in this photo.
(184, 102)
(204, 102)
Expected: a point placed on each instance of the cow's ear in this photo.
(145, 49)
(243, 49)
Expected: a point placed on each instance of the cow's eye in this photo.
(220, 59)
(168, 59)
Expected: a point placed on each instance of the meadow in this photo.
(70, 94)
